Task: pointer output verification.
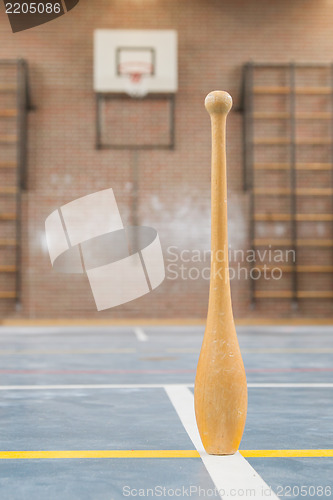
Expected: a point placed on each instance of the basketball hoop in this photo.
(134, 72)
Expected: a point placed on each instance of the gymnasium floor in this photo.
(107, 413)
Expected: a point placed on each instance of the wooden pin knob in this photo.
(218, 102)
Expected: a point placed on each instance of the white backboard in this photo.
(154, 52)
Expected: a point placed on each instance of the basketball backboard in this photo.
(126, 58)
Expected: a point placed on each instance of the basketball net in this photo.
(135, 84)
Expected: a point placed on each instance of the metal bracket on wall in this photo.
(102, 97)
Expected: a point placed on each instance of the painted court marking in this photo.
(287, 453)
(45, 454)
(50, 454)
(140, 334)
(231, 473)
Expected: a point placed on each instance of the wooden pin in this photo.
(220, 392)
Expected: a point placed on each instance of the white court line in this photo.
(232, 475)
(140, 334)
(318, 385)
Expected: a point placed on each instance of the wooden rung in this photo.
(286, 294)
(277, 294)
(313, 166)
(298, 217)
(276, 141)
(8, 139)
(7, 216)
(315, 295)
(314, 217)
(271, 166)
(7, 269)
(8, 88)
(272, 191)
(287, 166)
(8, 190)
(313, 90)
(299, 191)
(313, 116)
(271, 141)
(306, 242)
(314, 191)
(313, 141)
(7, 164)
(271, 90)
(299, 269)
(8, 113)
(8, 243)
(287, 90)
(264, 115)
(272, 217)
(257, 242)
(8, 295)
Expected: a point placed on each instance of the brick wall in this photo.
(215, 39)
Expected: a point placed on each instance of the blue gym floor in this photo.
(103, 388)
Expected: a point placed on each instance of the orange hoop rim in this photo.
(135, 76)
